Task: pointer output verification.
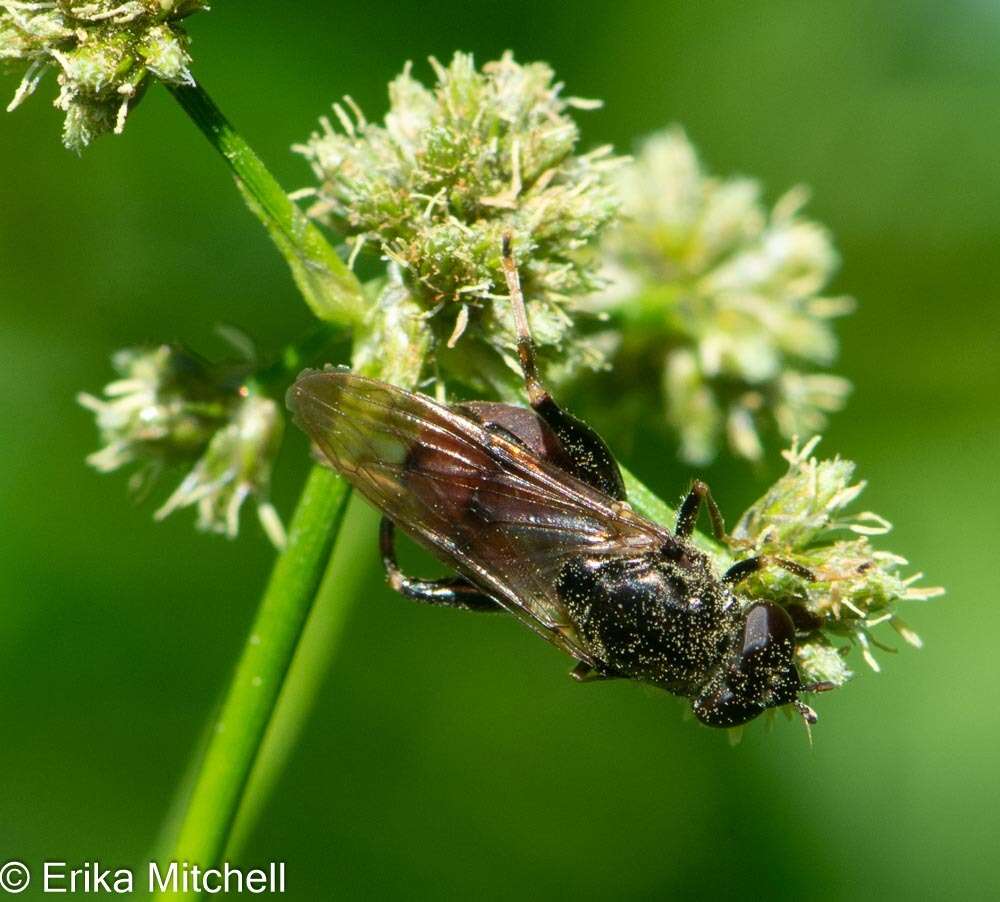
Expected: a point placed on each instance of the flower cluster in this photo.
(802, 518)
(103, 52)
(171, 408)
(236, 464)
(724, 295)
(434, 188)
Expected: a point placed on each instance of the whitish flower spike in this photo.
(235, 466)
(728, 295)
(171, 409)
(433, 189)
(103, 53)
(164, 409)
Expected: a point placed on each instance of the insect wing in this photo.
(485, 505)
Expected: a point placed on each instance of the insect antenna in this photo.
(818, 686)
(807, 713)
(809, 717)
(525, 346)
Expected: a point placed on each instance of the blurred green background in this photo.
(449, 756)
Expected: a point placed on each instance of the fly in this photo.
(528, 507)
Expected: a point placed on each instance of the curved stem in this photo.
(335, 296)
(327, 283)
(645, 501)
(260, 674)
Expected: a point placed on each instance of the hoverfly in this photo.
(528, 506)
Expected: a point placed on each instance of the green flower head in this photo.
(434, 188)
(803, 518)
(103, 52)
(727, 297)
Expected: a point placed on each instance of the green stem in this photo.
(645, 501)
(261, 671)
(327, 283)
(354, 561)
(335, 296)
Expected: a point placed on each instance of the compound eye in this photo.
(762, 674)
(767, 658)
(767, 626)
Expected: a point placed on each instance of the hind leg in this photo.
(592, 461)
(454, 591)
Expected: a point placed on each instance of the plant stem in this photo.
(327, 283)
(353, 562)
(261, 671)
(645, 501)
(335, 296)
(278, 673)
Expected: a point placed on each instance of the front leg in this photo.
(687, 516)
(742, 569)
(452, 591)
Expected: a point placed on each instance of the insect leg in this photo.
(455, 591)
(687, 516)
(537, 393)
(742, 569)
(585, 673)
(592, 460)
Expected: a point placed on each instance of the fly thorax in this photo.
(646, 617)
